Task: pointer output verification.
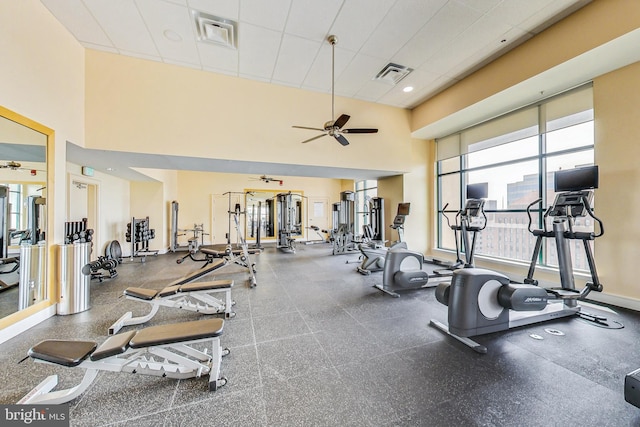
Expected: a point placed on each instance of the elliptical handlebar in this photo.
(589, 209)
(535, 202)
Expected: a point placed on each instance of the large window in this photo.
(516, 155)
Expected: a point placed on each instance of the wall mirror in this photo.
(23, 216)
(263, 210)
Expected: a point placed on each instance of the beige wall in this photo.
(202, 199)
(593, 25)
(617, 127)
(113, 211)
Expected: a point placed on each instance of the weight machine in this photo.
(289, 221)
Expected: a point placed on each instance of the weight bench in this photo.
(165, 350)
(197, 297)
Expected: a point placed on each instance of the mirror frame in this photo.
(274, 193)
(52, 296)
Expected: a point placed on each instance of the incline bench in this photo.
(164, 350)
(182, 294)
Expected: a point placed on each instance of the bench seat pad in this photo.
(116, 344)
(205, 286)
(141, 293)
(168, 291)
(177, 332)
(62, 352)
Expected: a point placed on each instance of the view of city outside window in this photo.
(364, 191)
(515, 172)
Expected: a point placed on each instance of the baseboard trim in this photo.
(27, 323)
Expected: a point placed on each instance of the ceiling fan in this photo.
(268, 179)
(11, 165)
(334, 127)
(15, 166)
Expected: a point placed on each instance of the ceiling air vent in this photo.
(392, 73)
(216, 30)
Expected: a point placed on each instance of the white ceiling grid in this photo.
(284, 41)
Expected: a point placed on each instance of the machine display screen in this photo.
(478, 191)
(576, 179)
(403, 208)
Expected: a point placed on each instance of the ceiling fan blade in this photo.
(341, 139)
(362, 130)
(305, 127)
(341, 121)
(315, 137)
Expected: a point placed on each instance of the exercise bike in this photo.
(482, 301)
(373, 252)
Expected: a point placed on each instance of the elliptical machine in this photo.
(373, 252)
(469, 221)
(482, 301)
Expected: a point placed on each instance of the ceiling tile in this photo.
(218, 57)
(357, 21)
(161, 16)
(483, 6)
(221, 8)
(319, 75)
(514, 12)
(450, 21)
(402, 22)
(485, 31)
(270, 14)
(358, 74)
(295, 59)
(123, 24)
(76, 17)
(258, 50)
(312, 19)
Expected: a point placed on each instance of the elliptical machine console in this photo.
(482, 301)
(373, 252)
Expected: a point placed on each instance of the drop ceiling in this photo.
(284, 41)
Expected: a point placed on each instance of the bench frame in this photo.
(178, 360)
(201, 301)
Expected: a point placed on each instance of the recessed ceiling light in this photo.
(172, 35)
(408, 89)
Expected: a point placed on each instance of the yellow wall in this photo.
(147, 200)
(42, 78)
(143, 106)
(617, 135)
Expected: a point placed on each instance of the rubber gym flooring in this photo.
(314, 344)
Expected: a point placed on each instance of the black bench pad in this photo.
(178, 332)
(116, 344)
(141, 293)
(205, 286)
(199, 273)
(61, 352)
(235, 252)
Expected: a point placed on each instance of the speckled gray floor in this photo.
(314, 344)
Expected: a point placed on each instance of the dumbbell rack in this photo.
(77, 231)
(139, 234)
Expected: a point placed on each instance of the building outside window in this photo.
(517, 155)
